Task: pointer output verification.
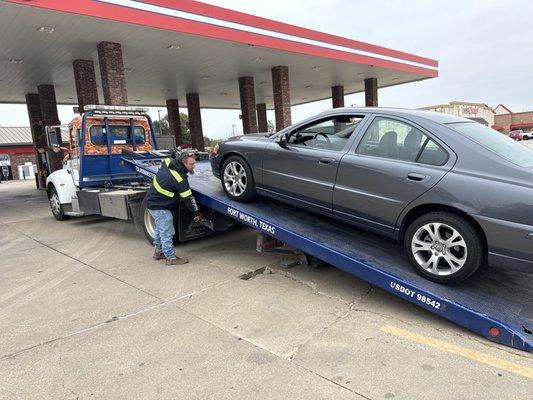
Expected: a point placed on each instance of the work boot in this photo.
(158, 255)
(176, 261)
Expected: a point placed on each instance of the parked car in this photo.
(457, 193)
(520, 135)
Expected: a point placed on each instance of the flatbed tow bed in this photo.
(493, 303)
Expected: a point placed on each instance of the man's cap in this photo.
(186, 154)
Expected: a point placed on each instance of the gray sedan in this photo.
(457, 193)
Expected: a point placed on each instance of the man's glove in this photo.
(197, 217)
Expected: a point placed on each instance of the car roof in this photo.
(438, 117)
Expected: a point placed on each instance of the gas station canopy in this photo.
(171, 48)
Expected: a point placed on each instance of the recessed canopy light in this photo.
(309, 86)
(205, 77)
(128, 69)
(360, 74)
(45, 29)
(263, 82)
(315, 68)
(257, 59)
(304, 98)
(137, 100)
(173, 47)
(394, 79)
(16, 60)
(70, 98)
(223, 93)
(165, 90)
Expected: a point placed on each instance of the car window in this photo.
(389, 138)
(432, 154)
(496, 142)
(120, 135)
(329, 134)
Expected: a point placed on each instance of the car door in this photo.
(393, 163)
(303, 166)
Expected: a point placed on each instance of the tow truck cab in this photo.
(98, 177)
(95, 180)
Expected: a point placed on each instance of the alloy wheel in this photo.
(439, 249)
(235, 178)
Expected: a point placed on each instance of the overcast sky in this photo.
(483, 49)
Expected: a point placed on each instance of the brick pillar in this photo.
(37, 134)
(195, 121)
(247, 92)
(337, 96)
(282, 96)
(47, 98)
(262, 117)
(371, 92)
(85, 80)
(174, 123)
(112, 72)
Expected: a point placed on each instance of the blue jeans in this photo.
(164, 232)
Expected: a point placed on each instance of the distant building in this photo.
(479, 112)
(506, 121)
(17, 154)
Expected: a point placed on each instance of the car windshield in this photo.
(497, 142)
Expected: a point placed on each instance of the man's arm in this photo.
(186, 195)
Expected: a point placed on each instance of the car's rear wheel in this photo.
(526, 137)
(237, 179)
(444, 247)
(56, 206)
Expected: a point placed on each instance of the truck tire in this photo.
(55, 205)
(147, 223)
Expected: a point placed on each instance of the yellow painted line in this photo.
(460, 351)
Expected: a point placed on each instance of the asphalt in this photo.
(85, 313)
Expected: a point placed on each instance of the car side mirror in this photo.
(282, 140)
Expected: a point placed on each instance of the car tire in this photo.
(526, 137)
(237, 179)
(55, 205)
(444, 247)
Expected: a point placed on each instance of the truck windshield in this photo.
(119, 135)
(496, 142)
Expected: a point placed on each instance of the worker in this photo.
(169, 187)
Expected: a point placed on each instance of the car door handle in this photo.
(417, 177)
(325, 160)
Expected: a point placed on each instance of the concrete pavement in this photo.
(85, 313)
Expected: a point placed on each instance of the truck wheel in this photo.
(56, 206)
(237, 179)
(444, 247)
(147, 223)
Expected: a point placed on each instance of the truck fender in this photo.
(62, 181)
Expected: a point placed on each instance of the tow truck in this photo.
(99, 176)
(497, 305)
